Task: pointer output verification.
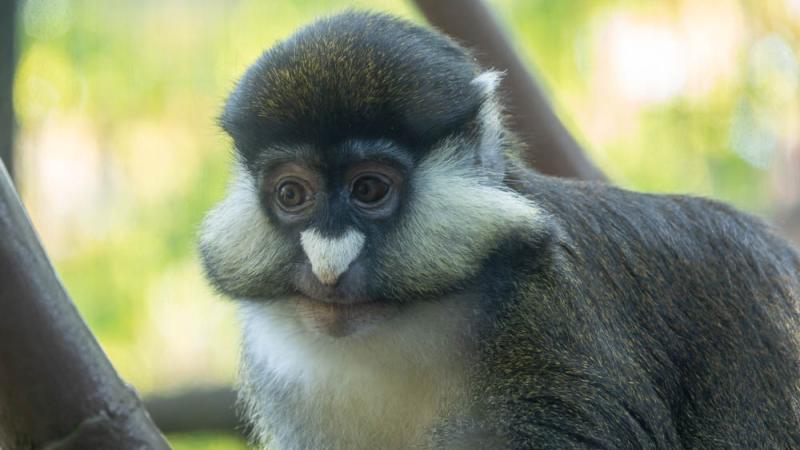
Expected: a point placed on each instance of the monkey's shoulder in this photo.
(610, 222)
(644, 293)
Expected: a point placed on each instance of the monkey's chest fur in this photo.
(383, 390)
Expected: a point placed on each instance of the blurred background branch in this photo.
(210, 409)
(550, 148)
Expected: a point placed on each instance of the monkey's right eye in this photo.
(293, 195)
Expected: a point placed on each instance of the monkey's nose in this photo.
(330, 257)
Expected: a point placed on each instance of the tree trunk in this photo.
(57, 388)
(550, 148)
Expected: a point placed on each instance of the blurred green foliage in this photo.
(120, 155)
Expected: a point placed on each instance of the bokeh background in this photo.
(119, 155)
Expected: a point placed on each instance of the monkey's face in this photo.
(361, 186)
(338, 206)
(351, 241)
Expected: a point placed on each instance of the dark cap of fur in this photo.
(354, 75)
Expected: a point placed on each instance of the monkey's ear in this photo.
(491, 144)
(487, 82)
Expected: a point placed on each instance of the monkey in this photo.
(404, 281)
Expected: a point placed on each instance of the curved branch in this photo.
(57, 388)
(551, 149)
(200, 409)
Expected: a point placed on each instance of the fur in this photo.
(242, 252)
(306, 390)
(524, 312)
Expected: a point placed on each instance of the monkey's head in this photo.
(369, 174)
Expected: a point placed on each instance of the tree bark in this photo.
(57, 388)
(8, 58)
(550, 148)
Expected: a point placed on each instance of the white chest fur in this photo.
(379, 390)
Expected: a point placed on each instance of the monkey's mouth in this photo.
(338, 319)
(341, 310)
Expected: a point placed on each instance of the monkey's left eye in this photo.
(370, 190)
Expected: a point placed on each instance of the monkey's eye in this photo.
(292, 195)
(370, 189)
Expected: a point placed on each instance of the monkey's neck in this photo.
(384, 389)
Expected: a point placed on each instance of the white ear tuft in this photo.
(490, 151)
(488, 81)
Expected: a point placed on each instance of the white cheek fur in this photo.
(456, 216)
(237, 239)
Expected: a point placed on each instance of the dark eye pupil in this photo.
(291, 194)
(370, 189)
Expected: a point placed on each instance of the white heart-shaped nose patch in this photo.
(330, 257)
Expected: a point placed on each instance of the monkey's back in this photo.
(681, 312)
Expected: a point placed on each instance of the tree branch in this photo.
(58, 391)
(201, 409)
(551, 149)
